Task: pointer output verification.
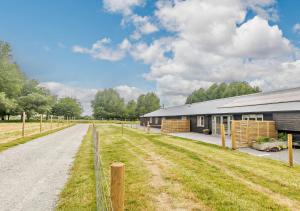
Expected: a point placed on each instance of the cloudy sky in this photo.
(171, 47)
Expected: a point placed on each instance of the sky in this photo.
(170, 47)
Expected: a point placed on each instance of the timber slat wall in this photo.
(175, 126)
(248, 131)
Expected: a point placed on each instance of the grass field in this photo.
(13, 131)
(168, 173)
(14, 142)
(80, 191)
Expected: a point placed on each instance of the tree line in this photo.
(222, 90)
(109, 105)
(19, 94)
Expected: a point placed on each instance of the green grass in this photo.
(79, 193)
(105, 121)
(4, 146)
(202, 175)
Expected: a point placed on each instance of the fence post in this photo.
(223, 135)
(148, 128)
(290, 148)
(233, 136)
(51, 122)
(23, 126)
(41, 121)
(122, 129)
(117, 186)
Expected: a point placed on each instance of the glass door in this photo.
(217, 121)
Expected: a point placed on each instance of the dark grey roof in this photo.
(282, 100)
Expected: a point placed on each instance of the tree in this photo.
(11, 77)
(67, 107)
(147, 103)
(131, 110)
(35, 103)
(6, 105)
(108, 104)
(223, 90)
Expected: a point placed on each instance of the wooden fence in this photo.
(247, 131)
(175, 126)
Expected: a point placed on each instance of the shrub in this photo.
(282, 136)
(206, 131)
(262, 139)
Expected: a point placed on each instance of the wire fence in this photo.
(102, 187)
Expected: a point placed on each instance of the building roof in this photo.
(275, 101)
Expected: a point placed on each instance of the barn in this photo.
(282, 106)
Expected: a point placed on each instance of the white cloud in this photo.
(207, 41)
(129, 92)
(143, 26)
(121, 6)
(213, 44)
(101, 51)
(85, 95)
(263, 8)
(296, 28)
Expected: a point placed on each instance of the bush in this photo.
(262, 139)
(282, 136)
(206, 131)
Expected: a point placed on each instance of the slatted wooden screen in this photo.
(247, 131)
(175, 126)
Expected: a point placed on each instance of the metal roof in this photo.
(283, 100)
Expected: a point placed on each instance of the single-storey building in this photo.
(281, 106)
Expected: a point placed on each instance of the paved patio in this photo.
(281, 156)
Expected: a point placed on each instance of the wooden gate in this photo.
(246, 132)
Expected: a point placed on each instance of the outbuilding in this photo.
(281, 106)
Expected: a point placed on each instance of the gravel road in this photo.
(33, 174)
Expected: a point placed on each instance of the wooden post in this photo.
(51, 121)
(122, 129)
(41, 121)
(148, 128)
(233, 138)
(117, 188)
(290, 148)
(223, 135)
(23, 126)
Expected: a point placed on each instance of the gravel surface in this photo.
(33, 174)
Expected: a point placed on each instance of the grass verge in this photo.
(79, 193)
(196, 176)
(4, 146)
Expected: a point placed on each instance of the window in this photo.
(200, 121)
(156, 120)
(150, 119)
(183, 118)
(255, 117)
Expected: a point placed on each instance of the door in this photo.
(218, 120)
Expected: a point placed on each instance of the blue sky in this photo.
(173, 55)
(38, 30)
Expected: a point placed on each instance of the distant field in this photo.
(13, 131)
(168, 173)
